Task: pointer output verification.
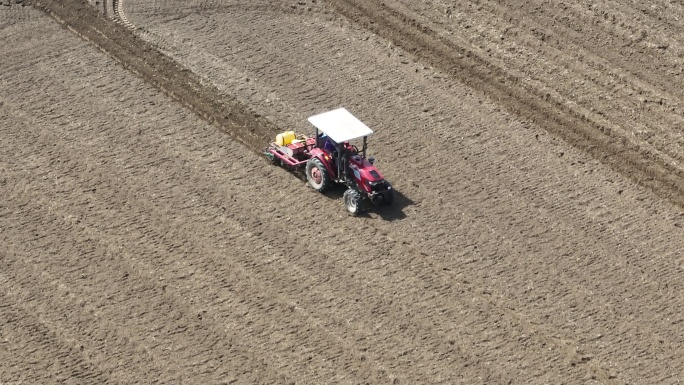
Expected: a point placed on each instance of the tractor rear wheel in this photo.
(317, 175)
(352, 201)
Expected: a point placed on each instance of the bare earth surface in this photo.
(140, 243)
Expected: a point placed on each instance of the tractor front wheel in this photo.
(352, 201)
(317, 175)
(388, 198)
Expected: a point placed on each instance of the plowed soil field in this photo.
(537, 148)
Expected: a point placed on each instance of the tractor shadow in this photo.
(395, 212)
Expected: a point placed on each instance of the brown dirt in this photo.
(535, 60)
(141, 244)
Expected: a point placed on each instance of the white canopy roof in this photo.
(340, 125)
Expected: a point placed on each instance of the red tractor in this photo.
(330, 157)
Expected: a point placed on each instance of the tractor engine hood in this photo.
(365, 172)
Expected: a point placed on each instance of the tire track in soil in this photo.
(484, 168)
(56, 102)
(55, 140)
(235, 78)
(417, 284)
(121, 15)
(586, 78)
(164, 330)
(25, 333)
(93, 256)
(461, 63)
(199, 246)
(490, 188)
(257, 298)
(100, 107)
(594, 229)
(656, 276)
(105, 101)
(543, 42)
(92, 223)
(387, 340)
(120, 43)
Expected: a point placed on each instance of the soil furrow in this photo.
(531, 104)
(510, 257)
(608, 85)
(86, 262)
(497, 175)
(26, 333)
(144, 220)
(213, 269)
(159, 70)
(72, 139)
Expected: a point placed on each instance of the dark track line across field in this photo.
(119, 42)
(460, 62)
(463, 64)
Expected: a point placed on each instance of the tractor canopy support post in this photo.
(341, 162)
(363, 149)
